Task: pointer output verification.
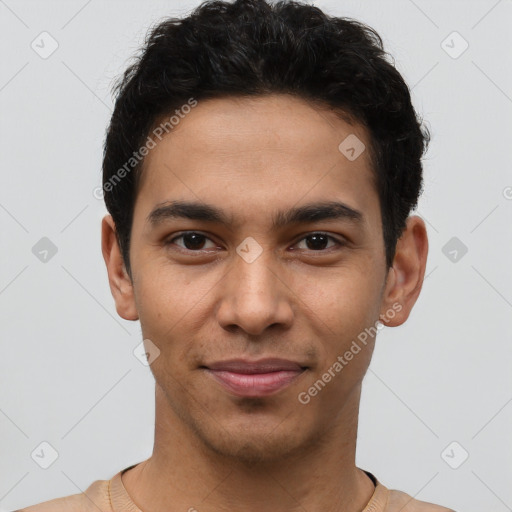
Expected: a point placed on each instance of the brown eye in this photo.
(319, 242)
(192, 241)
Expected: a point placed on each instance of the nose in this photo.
(255, 297)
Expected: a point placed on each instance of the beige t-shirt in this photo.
(111, 496)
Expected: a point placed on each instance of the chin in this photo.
(254, 442)
(255, 451)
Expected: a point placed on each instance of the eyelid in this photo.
(339, 241)
(168, 241)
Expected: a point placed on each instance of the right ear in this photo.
(120, 282)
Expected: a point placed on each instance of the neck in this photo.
(184, 474)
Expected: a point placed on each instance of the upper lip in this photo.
(260, 366)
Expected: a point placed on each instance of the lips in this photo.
(254, 378)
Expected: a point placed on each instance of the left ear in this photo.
(405, 277)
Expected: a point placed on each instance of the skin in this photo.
(202, 303)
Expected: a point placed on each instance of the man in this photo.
(259, 169)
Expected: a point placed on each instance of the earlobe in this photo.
(405, 278)
(120, 282)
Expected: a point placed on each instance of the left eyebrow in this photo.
(312, 212)
(316, 212)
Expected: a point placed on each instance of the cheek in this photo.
(171, 306)
(166, 293)
(342, 302)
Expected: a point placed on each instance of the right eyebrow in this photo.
(187, 210)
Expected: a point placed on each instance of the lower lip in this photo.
(254, 384)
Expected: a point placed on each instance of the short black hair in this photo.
(253, 47)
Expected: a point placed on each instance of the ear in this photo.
(120, 282)
(405, 277)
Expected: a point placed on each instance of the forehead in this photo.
(254, 150)
(278, 121)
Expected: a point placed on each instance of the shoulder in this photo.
(95, 498)
(391, 500)
(401, 501)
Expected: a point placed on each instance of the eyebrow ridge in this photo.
(312, 212)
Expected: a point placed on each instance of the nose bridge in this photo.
(253, 297)
(255, 277)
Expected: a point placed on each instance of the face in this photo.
(239, 277)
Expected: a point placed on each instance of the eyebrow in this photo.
(312, 212)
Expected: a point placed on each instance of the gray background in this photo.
(68, 373)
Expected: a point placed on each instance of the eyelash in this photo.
(339, 243)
